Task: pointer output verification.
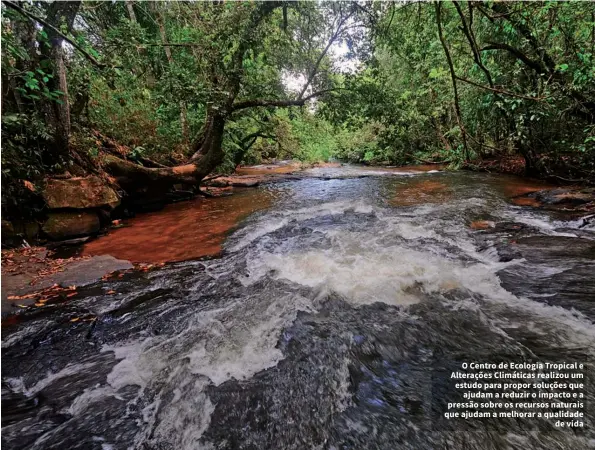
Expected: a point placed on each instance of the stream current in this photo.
(332, 320)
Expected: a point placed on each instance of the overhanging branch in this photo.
(535, 65)
(277, 103)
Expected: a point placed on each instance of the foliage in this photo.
(531, 90)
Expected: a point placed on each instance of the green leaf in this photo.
(563, 67)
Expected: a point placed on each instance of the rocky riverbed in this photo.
(329, 317)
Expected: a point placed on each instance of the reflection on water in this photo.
(515, 188)
(181, 231)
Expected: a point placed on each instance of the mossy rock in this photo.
(80, 193)
(66, 225)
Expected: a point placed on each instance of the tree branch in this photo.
(277, 103)
(333, 38)
(468, 31)
(256, 136)
(169, 44)
(453, 78)
(55, 30)
(499, 91)
(535, 65)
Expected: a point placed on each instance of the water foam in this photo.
(375, 266)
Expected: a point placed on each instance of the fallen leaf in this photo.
(29, 185)
(76, 319)
(111, 292)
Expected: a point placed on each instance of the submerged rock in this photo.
(80, 193)
(87, 271)
(482, 225)
(563, 199)
(65, 225)
(566, 196)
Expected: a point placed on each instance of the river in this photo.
(329, 318)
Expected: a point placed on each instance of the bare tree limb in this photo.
(333, 38)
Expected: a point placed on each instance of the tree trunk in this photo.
(184, 122)
(60, 13)
(134, 178)
(61, 110)
(454, 80)
(170, 60)
(130, 8)
(207, 146)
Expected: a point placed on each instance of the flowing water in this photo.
(331, 320)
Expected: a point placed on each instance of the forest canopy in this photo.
(163, 93)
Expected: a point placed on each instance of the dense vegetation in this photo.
(163, 93)
(460, 81)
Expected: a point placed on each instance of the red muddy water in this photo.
(181, 231)
(418, 192)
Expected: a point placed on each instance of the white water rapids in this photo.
(327, 323)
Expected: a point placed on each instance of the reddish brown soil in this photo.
(503, 164)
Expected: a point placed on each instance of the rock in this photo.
(68, 242)
(482, 225)
(80, 193)
(65, 225)
(77, 273)
(8, 229)
(13, 233)
(245, 183)
(220, 183)
(566, 196)
(87, 271)
(31, 230)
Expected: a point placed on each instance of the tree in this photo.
(228, 96)
(59, 15)
(521, 75)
